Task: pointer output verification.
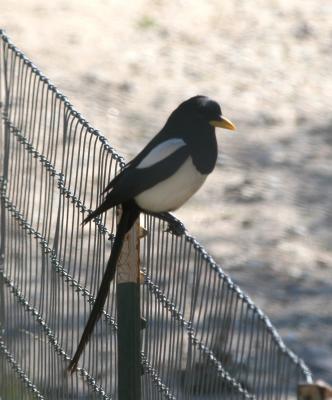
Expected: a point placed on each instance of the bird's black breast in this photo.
(204, 150)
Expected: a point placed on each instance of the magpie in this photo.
(162, 177)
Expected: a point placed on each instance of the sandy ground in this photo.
(266, 212)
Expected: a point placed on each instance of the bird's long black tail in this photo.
(129, 215)
(102, 208)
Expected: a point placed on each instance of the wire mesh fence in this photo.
(204, 338)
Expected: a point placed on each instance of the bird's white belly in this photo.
(171, 193)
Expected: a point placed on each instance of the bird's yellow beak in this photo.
(223, 122)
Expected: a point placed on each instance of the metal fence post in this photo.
(128, 316)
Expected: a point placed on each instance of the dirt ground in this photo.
(266, 212)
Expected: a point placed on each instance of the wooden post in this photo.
(128, 317)
(318, 390)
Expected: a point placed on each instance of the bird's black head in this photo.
(199, 111)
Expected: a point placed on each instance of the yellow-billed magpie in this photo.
(163, 176)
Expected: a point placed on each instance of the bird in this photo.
(159, 180)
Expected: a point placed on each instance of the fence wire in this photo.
(204, 338)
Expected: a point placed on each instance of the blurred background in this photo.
(265, 214)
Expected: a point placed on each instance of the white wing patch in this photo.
(160, 152)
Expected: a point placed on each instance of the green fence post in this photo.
(128, 316)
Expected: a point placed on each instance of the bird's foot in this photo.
(176, 227)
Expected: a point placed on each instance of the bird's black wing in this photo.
(133, 181)
(162, 136)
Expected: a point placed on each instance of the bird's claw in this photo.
(176, 227)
